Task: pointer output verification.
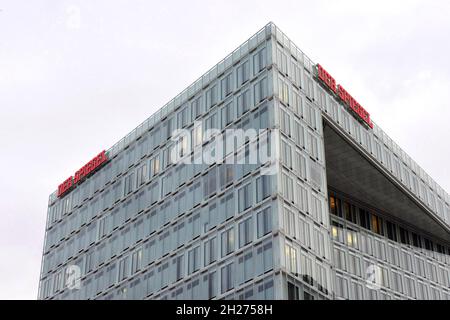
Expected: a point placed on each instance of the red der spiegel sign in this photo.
(343, 95)
(82, 173)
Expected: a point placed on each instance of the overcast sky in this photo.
(76, 76)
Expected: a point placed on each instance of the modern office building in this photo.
(336, 210)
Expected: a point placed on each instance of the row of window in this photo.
(296, 102)
(307, 268)
(298, 291)
(383, 227)
(250, 193)
(301, 166)
(396, 162)
(363, 243)
(230, 82)
(293, 79)
(157, 163)
(201, 104)
(262, 289)
(293, 71)
(358, 265)
(231, 273)
(304, 139)
(298, 227)
(216, 179)
(305, 199)
(171, 180)
(401, 287)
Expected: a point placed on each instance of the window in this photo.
(210, 182)
(357, 291)
(260, 90)
(264, 222)
(168, 127)
(307, 269)
(141, 175)
(285, 124)
(154, 166)
(243, 102)
(293, 292)
(315, 173)
(245, 267)
(101, 228)
(166, 183)
(354, 264)
(193, 259)
(117, 191)
(391, 231)
(210, 126)
(227, 242)
(404, 236)
(364, 217)
(377, 224)
(351, 239)
(227, 207)
(322, 278)
(259, 60)
(211, 282)
(183, 117)
(282, 60)
(196, 224)
(210, 251)
(300, 164)
(245, 197)
(136, 261)
(347, 211)
(164, 243)
(311, 117)
(227, 278)
(211, 96)
(227, 114)
(181, 146)
(178, 263)
(124, 268)
(197, 108)
(245, 232)
(342, 287)
(423, 289)
(283, 91)
(299, 134)
(288, 187)
(226, 172)
(291, 258)
(227, 86)
(316, 208)
(263, 189)
(309, 87)
(197, 135)
(243, 73)
(163, 274)
(286, 154)
(289, 222)
(410, 287)
(313, 146)
(264, 258)
(153, 193)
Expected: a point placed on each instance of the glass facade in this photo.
(147, 227)
(410, 265)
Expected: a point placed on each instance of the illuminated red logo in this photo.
(343, 95)
(81, 174)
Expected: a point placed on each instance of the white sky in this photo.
(76, 76)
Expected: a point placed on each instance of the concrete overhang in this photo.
(351, 170)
